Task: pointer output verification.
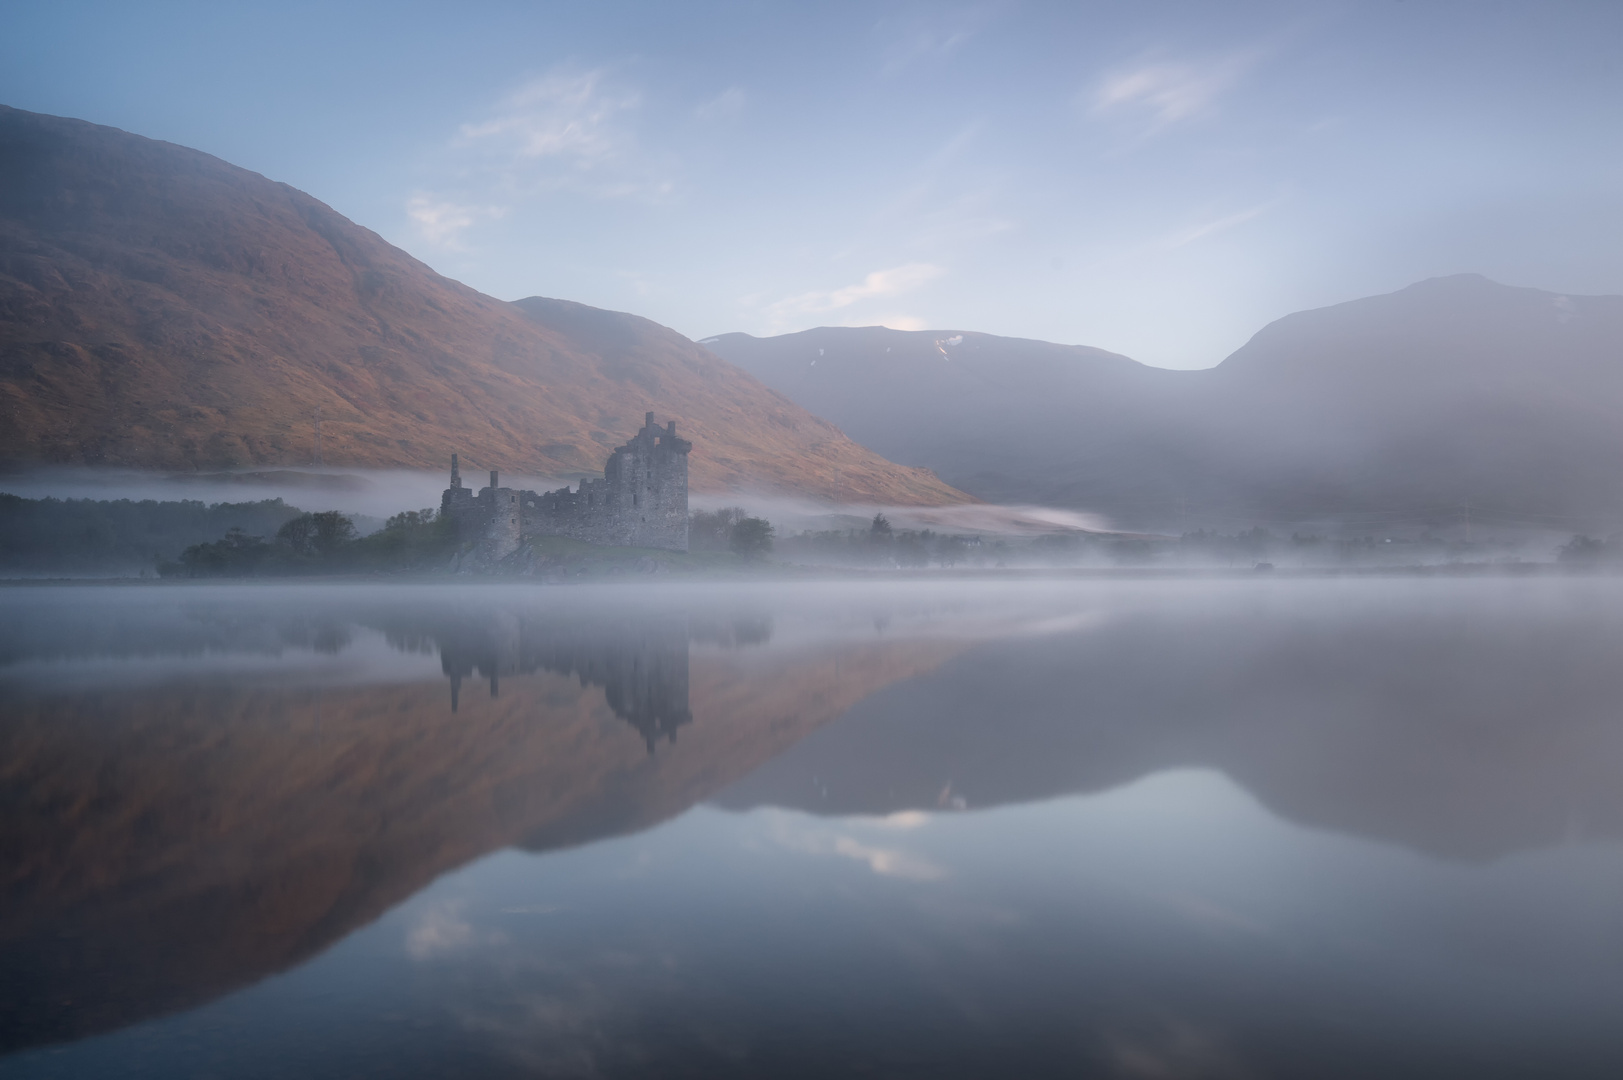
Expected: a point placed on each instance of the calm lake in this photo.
(1262, 827)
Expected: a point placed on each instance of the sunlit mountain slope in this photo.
(160, 307)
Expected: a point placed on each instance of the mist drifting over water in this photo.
(816, 532)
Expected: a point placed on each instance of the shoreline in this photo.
(781, 573)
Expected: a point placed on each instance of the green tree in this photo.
(911, 550)
(712, 530)
(120, 535)
(233, 555)
(316, 534)
(414, 539)
(1584, 549)
(752, 537)
(950, 550)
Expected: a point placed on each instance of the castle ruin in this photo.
(642, 501)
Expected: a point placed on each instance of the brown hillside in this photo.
(162, 308)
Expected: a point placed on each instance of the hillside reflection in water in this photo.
(1226, 828)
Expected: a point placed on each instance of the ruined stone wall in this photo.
(503, 533)
(464, 507)
(642, 501)
(649, 478)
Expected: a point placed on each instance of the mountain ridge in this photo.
(162, 308)
(1452, 392)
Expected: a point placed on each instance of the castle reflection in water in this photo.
(642, 665)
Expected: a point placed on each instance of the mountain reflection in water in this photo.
(206, 786)
(180, 831)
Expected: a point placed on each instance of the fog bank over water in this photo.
(100, 541)
(789, 515)
(375, 493)
(378, 493)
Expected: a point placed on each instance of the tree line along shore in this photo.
(52, 537)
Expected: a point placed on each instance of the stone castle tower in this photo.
(642, 501)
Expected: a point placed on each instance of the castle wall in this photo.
(463, 506)
(642, 501)
(503, 532)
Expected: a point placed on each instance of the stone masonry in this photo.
(642, 501)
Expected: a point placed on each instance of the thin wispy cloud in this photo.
(930, 171)
(1188, 236)
(443, 222)
(724, 106)
(932, 36)
(969, 217)
(567, 131)
(881, 283)
(1157, 94)
(897, 322)
(638, 281)
(953, 198)
(570, 117)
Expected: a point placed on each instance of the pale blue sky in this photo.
(1159, 178)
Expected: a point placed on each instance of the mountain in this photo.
(162, 308)
(1010, 419)
(1453, 393)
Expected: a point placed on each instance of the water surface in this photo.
(1244, 828)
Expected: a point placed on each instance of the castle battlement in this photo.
(642, 501)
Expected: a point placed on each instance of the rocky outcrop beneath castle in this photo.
(642, 501)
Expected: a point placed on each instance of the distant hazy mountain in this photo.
(159, 307)
(1457, 392)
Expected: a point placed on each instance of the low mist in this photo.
(804, 532)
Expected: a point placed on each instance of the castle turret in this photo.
(457, 499)
(503, 529)
(646, 482)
